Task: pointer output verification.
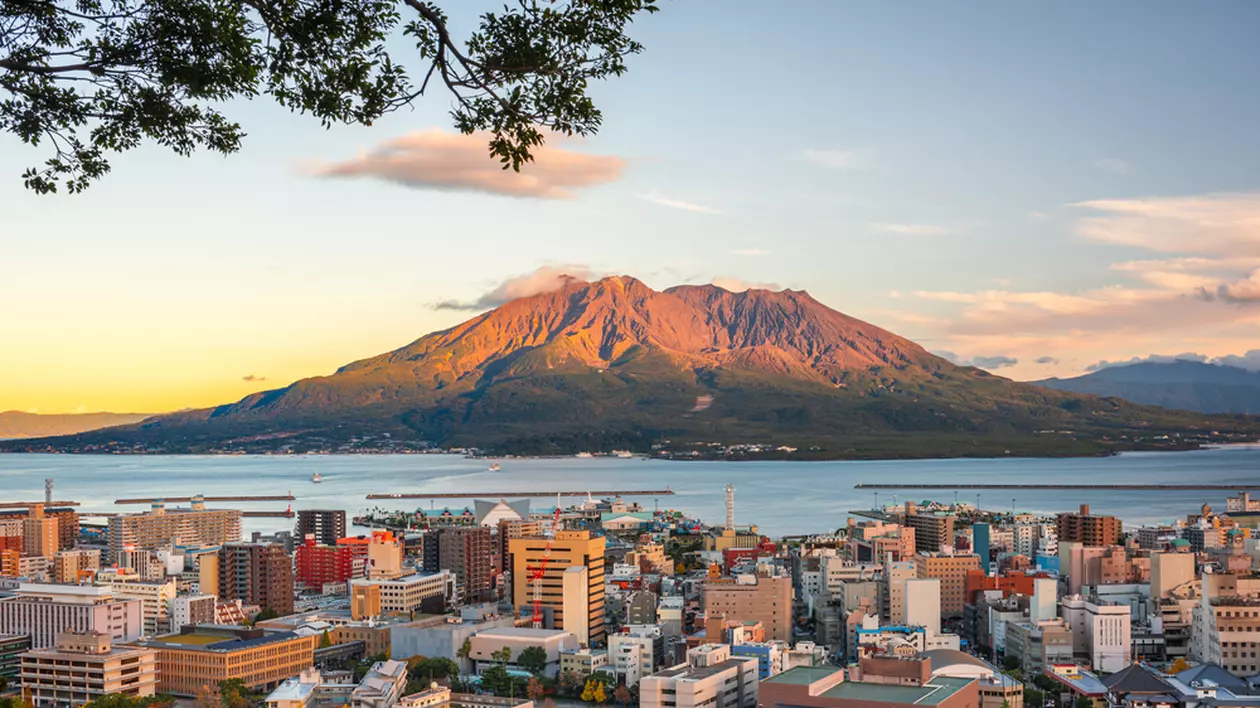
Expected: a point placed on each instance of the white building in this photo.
(44, 611)
(1100, 631)
(154, 597)
(191, 609)
(407, 593)
(575, 591)
(485, 643)
(383, 685)
(711, 678)
(631, 655)
(923, 604)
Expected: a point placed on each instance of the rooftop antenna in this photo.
(48, 485)
(730, 507)
(876, 501)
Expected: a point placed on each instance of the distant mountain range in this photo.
(1183, 385)
(614, 364)
(18, 424)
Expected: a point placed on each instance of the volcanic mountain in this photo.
(615, 364)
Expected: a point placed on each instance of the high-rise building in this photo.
(1100, 631)
(208, 573)
(508, 530)
(951, 570)
(466, 552)
(154, 597)
(70, 566)
(326, 525)
(569, 548)
(317, 565)
(575, 593)
(980, 542)
(923, 604)
(39, 533)
(896, 574)
(160, 528)
(42, 611)
(85, 666)
(932, 532)
(1087, 529)
(1225, 628)
(257, 574)
(760, 598)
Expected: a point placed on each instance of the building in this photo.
(923, 604)
(980, 544)
(84, 666)
(933, 532)
(1170, 571)
(383, 685)
(202, 655)
(635, 653)
(158, 528)
(583, 662)
(154, 600)
(39, 533)
(12, 646)
(1100, 632)
(71, 566)
(428, 592)
(711, 678)
(1087, 529)
(826, 687)
(385, 553)
(442, 636)
(318, 565)
(770, 656)
(467, 552)
(508, 530)
(575, 592)
(42, 611)
(486, 642)
(1039, 645)
(324, 525)
(760, 598)
(895, 576)
(951, 570)
(997, 690)
(568, 549)
(184, 610)
(256, 574)
(1225, 632)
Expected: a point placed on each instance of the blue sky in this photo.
(1069, 182)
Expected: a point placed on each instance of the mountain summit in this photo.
(614, 363)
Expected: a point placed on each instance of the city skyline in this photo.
(1031, 190)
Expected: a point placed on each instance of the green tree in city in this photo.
(87, 78)
(325, 641)
(533, 660)
(1033, 697)
(465, 649)
(1010, 663)
(1082, 702)
(502, 655)
(266, 614)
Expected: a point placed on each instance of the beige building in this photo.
(1226, 631)
(951, 570)
(208, 574)
(71, 566)
(403, 594)
(385, 556)
(155, 599)
(194, 527)
(39, 533)
(82, 667)
(570, 548)
(711, 678)
(365, 600)
(205, 655)
(753, 598)
(1170, 571)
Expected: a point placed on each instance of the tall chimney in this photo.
(730, 507)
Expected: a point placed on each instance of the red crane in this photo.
(536, 573)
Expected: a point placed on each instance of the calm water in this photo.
(781, 497)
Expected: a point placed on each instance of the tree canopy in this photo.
(87, 78)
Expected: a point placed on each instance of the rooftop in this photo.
(803, 675)
(209, 637)
(932, 693)
(522, 632)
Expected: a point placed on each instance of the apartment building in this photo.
(1087, 529)
(951, 570)
(158, 528)
(42, 611)
(154, 597)
(324, 525)
(635, 652)
(763, 598)
(1101, 631)
(256, 574)
(71, 566)
(466, 551)
(933, 531)
(83, 666)
(568, 549)
(1226, 632)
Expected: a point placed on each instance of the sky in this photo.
(1033, 188)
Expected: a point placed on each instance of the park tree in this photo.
(87, 78)
(533, 660)
(535, 689)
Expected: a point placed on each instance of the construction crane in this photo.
(536, 573)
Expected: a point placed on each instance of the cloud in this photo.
(1152, 358)
(433, 159)
(912, 229)
(1112, 165)
(541, 280)
(736, 285)
(1038, 215)
(1249, 361)
(833, 159)
(751, 252)
(252, 378)
(656, 198)
(1242, 291)
(1046, 360)
(1222, 224)
(983, 362)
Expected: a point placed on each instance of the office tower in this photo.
(431, 555)
(84, 666)
(760, 598)
(160, 528)
(39, 533)
(951, 570)
(980, 540)
(257, 574)
(923, 605)
(466, 551)
(72, 566)
(569, 548)
(1087, 529)
(42, 611)
(326, 525)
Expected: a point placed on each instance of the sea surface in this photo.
(780, 497)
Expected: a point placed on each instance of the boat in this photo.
(317, 477)
(623, 454)
(584, 455)
(494, 467)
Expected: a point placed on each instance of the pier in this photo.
(1081, 487)
(150, 500)
(286, 514)
(27, 505)
(503, 495)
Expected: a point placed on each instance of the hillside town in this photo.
(505, 605)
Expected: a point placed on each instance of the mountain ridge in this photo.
(1183, 384)
(616, 363)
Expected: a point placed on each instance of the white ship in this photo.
(494, 467)
(317, 477)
